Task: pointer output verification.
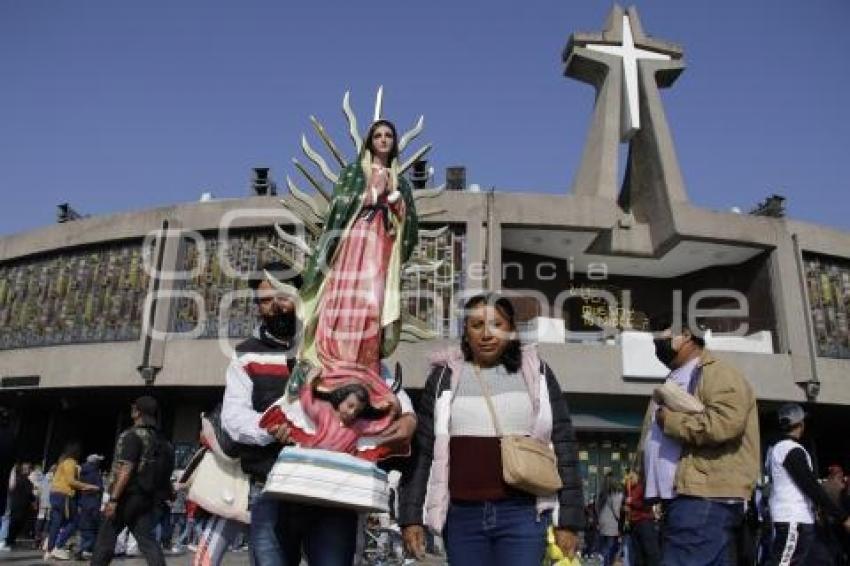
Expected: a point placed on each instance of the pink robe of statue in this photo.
(348, 332)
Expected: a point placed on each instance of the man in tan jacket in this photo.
(702, 465)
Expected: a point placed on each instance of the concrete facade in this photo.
(587, 369)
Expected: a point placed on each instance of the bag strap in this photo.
(611, 507)
(486, 390)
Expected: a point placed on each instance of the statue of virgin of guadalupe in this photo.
(351, 293)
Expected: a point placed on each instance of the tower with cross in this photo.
(627, 68)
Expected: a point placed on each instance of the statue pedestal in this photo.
(333, 479)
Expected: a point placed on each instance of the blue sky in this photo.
(115, 106)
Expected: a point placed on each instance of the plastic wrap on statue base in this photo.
(324, 477)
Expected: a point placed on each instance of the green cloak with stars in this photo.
(346, 203)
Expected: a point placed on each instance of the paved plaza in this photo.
(27, 557)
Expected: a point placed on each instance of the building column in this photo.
(157, 313)
(793, 317)
(474, 272)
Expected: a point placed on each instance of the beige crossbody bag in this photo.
(527, 463)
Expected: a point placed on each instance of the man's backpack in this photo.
(156, 464)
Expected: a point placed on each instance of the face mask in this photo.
(664, 351)
(280, 325)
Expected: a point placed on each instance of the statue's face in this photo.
(350, 409)
(382, 141)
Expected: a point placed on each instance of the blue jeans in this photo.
(4, 522)
(89, 521)
(699, 532)
(608, 548)
(281, 529)
(63, 520)
(178, 522)
(505, 532)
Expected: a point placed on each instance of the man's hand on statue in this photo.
(280, 432)
(395, 409)
(399, 433)
(414, 540)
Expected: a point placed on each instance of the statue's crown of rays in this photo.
(312, 209)
(379, 100)
(357, 140)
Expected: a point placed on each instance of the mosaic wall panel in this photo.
(91, 295)
(214, 281)
(828, 283)
(429, 294)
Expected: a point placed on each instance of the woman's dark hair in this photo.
(512, 356)
(340, 394)
(367, 143)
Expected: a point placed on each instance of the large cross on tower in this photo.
(628, 68)
(629, 53)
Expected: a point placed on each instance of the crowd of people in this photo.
(695, 497)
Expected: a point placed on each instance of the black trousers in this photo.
(138, 513)
(17, 525)
(791, 544)
(646, 543)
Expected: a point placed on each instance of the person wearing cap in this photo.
(795, 493)
(129, 504)
(89, 505)
(702, 466)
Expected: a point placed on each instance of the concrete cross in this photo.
(630, 112)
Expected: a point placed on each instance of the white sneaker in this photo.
(4, 548)
(61, 554)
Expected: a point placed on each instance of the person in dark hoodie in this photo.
(89, 505)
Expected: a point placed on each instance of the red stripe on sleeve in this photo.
(256, 368)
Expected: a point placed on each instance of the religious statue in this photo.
(350, 302)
